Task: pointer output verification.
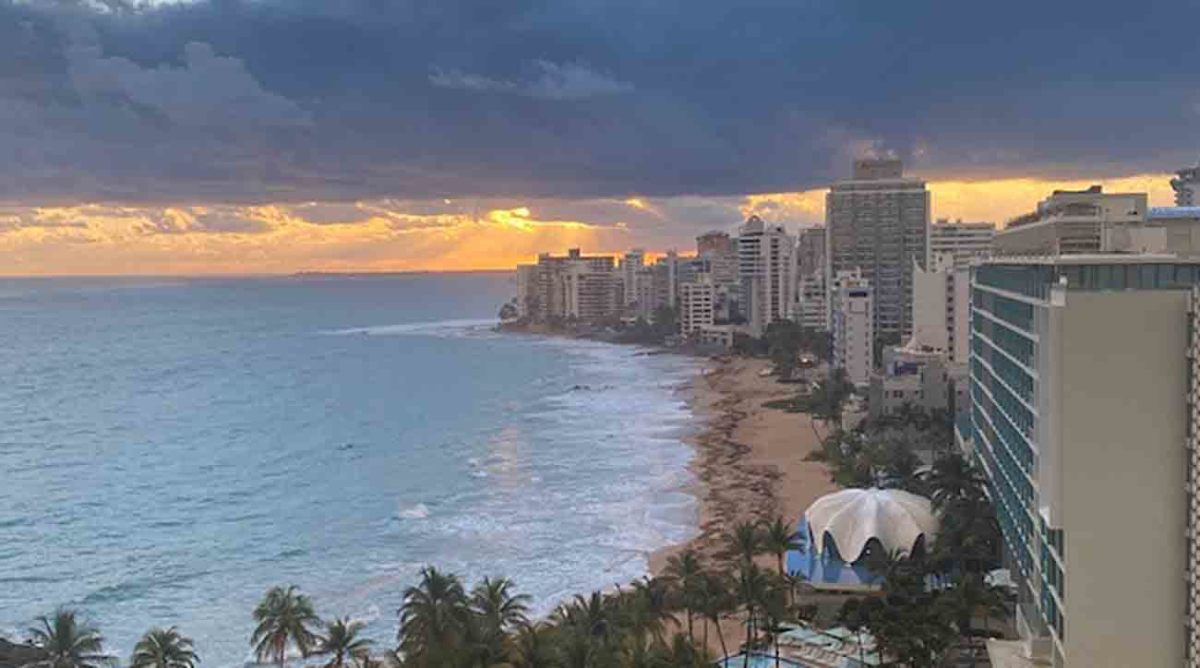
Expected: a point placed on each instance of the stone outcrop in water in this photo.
(13, 655)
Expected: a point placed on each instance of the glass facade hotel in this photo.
(1036, 326)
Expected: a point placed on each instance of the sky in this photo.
(248, 136)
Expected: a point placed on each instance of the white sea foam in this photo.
(432, 328)
(415, 512)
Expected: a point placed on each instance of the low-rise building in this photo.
(921, 378)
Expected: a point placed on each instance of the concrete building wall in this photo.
(1123, 425)
(932, 301)
(878, 223)
(853, 326)
(697, 302)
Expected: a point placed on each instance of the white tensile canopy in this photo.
(852, 517)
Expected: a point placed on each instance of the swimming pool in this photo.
(758, 661)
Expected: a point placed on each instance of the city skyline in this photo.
(442, 235)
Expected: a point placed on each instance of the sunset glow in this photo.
(439, 235)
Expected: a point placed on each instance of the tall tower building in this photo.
(853, 332)
(878, 222)
(631, 267)
(765, 267)
(1083, 414)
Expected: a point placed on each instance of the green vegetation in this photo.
(68, 642)
(164, 648)
(285, 619)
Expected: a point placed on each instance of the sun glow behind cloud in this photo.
(436, 235)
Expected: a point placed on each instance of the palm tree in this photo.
(745, 543)
(495, 611)
(684, 571)
(68, 642)
(779, 538)
(285, 617)
(651, 598)
(681, 653)
(952, 478)
(164, 648)
(432, 618)
(714, 602)
(533, 649)
(494, 599)
(341, 641)
(751, 592)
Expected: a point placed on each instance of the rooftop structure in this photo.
(963, 242)
(1072, 221)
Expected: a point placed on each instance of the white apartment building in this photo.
(631, 267)
(852, 324)
(963, 241)
(697, 305)
(765, 268)
(941, 307)
(1074, 221)
(878, 222)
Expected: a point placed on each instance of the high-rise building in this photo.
(716, 254)
(1075, 221)
(697, 302)
(811, 310)
(1186, 185)
(941, 307)
(810, 250)
(1084, 414)
(527, 293)
(586, 287)
(631, 265)
(963, 241)
(714, 243)
(765, 266)
(878, 222)
(852, 325)
(811, 305)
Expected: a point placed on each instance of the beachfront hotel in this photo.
(1084, 406)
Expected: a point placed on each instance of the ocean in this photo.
(172, 448)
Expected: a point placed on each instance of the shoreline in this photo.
(749, 461)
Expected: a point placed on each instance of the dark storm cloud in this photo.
(270, 100)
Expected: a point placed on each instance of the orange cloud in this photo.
(392, 235)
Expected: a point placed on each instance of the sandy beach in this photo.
(750, 459)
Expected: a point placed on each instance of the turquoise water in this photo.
(758, 661)
(172, 448)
